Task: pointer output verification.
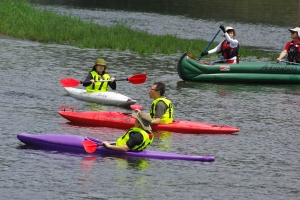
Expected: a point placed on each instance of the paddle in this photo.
(136, 106)
(210, 43)
(135, 79)
(90, 146)
(292, 63)
(133, 107)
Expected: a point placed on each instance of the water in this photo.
(260, 162)
(258, 24)
(275, 12)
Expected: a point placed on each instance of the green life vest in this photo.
(146, 139)
(168, 116)
(98, 86)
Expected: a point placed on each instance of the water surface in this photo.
(260, 162)
(259, 24)
(272, 12)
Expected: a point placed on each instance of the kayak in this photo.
(73, 143)
(191, 69)
(126, 121)
(106, 98)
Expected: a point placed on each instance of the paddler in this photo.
(136, 138)
(292, 48)
(161, 110)
(93, 80)
(229, 47)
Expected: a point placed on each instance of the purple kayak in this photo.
(73, 143)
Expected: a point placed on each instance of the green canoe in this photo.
(191, 69)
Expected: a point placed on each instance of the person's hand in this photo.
(92, 81)
(137, 111)
(278, 60)
(222, 28)
(106, 144)
(204, 53)
(112, 79)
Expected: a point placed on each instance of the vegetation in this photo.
(22, 20)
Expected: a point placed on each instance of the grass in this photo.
(23, 20)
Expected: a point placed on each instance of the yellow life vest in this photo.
(168, 116)
(146, 139)
(98, 86)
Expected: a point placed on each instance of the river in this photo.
(260, 162)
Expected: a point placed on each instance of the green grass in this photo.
(23, 20)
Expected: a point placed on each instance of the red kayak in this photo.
(126, 121)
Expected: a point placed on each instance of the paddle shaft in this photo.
(124, 79)
(135, 79)
(292, 63)
(210, 43)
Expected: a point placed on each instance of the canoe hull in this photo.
(126, 121)
(105, 98)
(190, 69)
(73, 143)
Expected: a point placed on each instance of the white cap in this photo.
(230, 28)
(297, 29)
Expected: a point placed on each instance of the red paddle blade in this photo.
(69, 82)
(138, 78)
(136, 106)
(89, 146)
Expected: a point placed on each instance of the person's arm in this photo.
(216, 49)
(233, 42)
(112, 85)
(117, 148)
(87, 80)
(282, 54)
(135, 138)
(155, 121)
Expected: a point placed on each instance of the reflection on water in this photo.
(163, 140)
(132, 163)
(95, 107)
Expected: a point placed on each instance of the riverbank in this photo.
(47, 27)
(8, 37)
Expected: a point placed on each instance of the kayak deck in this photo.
(106, 98)
(125, 121)
(73, 143)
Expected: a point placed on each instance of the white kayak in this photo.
(105, 98)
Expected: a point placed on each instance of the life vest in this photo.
(294, 52)
(147, 138)
(98, 86)
(227, 51)
(168, 116)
